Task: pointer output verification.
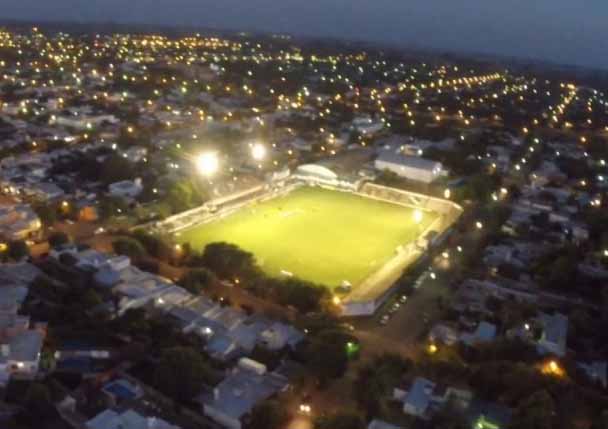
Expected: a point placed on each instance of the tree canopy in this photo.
(340, 421)
(268, 415)
(129, 247)
(197, 280)
(181, 373)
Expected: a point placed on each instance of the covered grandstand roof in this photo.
(408, 161)
(317, 170)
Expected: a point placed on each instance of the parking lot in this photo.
(404, 320)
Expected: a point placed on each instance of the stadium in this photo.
(304, 224)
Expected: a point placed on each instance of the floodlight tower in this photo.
(258, 151)
(207, 163)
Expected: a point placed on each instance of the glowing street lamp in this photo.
(418, 216)
(553, 368)
(207, 163)
(305, 408)
(258, 151)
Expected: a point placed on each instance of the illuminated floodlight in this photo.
(207, 163)
(258, 151)
(418, 216)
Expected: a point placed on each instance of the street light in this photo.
(258, 151)
(418, 216)
(305, 408)
(207, 163)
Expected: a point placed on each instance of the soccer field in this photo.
(319, 235)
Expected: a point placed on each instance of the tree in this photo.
(535, 412)
(154, 244)
(450, 416)
(58, 239)
(303, 295)
(197, 280)
(46, 212)
(268, 415)
(601, 422)
(112, 206)
(183, 195)
(562, 273)
(91, 299)
(340, 421)
(481, 186)
(18, 250)
(115, 169)
(326, 355)
(377, 379)
(133, 321)
(37, 397)
(129, 247)
(228, 260)
(37, 407)
(181, 373)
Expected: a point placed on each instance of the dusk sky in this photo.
(564, 31)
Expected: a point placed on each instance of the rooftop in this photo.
(242, 390)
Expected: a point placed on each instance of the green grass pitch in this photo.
(319, 235)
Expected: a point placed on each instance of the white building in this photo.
(20, 354)
(235, 397)
(18, 222)
(126, 188)
(409, 167)
(85, 122)
(554, 335)
(129, 419)
(367, 125)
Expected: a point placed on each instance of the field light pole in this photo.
(258, 151)
(207, 163)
